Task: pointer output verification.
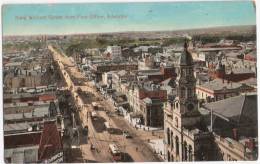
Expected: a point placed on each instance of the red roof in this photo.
(50, 142)
(47, 97)
(28, 139)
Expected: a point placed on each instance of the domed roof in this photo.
(186, 57)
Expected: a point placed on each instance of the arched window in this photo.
(168, 136)
(177, 145)
(176, 105)
(176, 122)
(169, 156)
(190, 153)
(185, 151)
(172, 140)
(172, 105)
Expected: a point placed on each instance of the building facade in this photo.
(186, 138)
(115, 52)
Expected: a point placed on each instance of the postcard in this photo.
(129, 82)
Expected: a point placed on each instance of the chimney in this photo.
(235, 133)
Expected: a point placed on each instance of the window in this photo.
(177, 145)
(185, 155)
(182, 72)
(189, 92)
(182, 92)
(176, 122)
(171, 140)
(176, 105)
(191, 70)
(190, 153)
(168, 136)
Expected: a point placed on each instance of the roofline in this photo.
(217, 114)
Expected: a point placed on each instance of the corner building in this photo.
(186, 135)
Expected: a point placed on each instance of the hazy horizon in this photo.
(96, 33)
(66, 19)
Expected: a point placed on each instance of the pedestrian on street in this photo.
(136, 148)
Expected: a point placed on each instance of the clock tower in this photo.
(185, 138)
(186, 103)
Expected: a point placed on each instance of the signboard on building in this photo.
(57, 158)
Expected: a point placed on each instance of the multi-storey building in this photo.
(186, 136)
(219, 89)
(115, 52)
(230, 135)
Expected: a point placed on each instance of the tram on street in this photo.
(115, 152)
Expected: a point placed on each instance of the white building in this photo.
(115, 52)
(207, 56)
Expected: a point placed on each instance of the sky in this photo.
(32, 19)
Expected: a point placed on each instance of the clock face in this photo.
(190, 107)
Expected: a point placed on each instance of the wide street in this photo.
(134, 149)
